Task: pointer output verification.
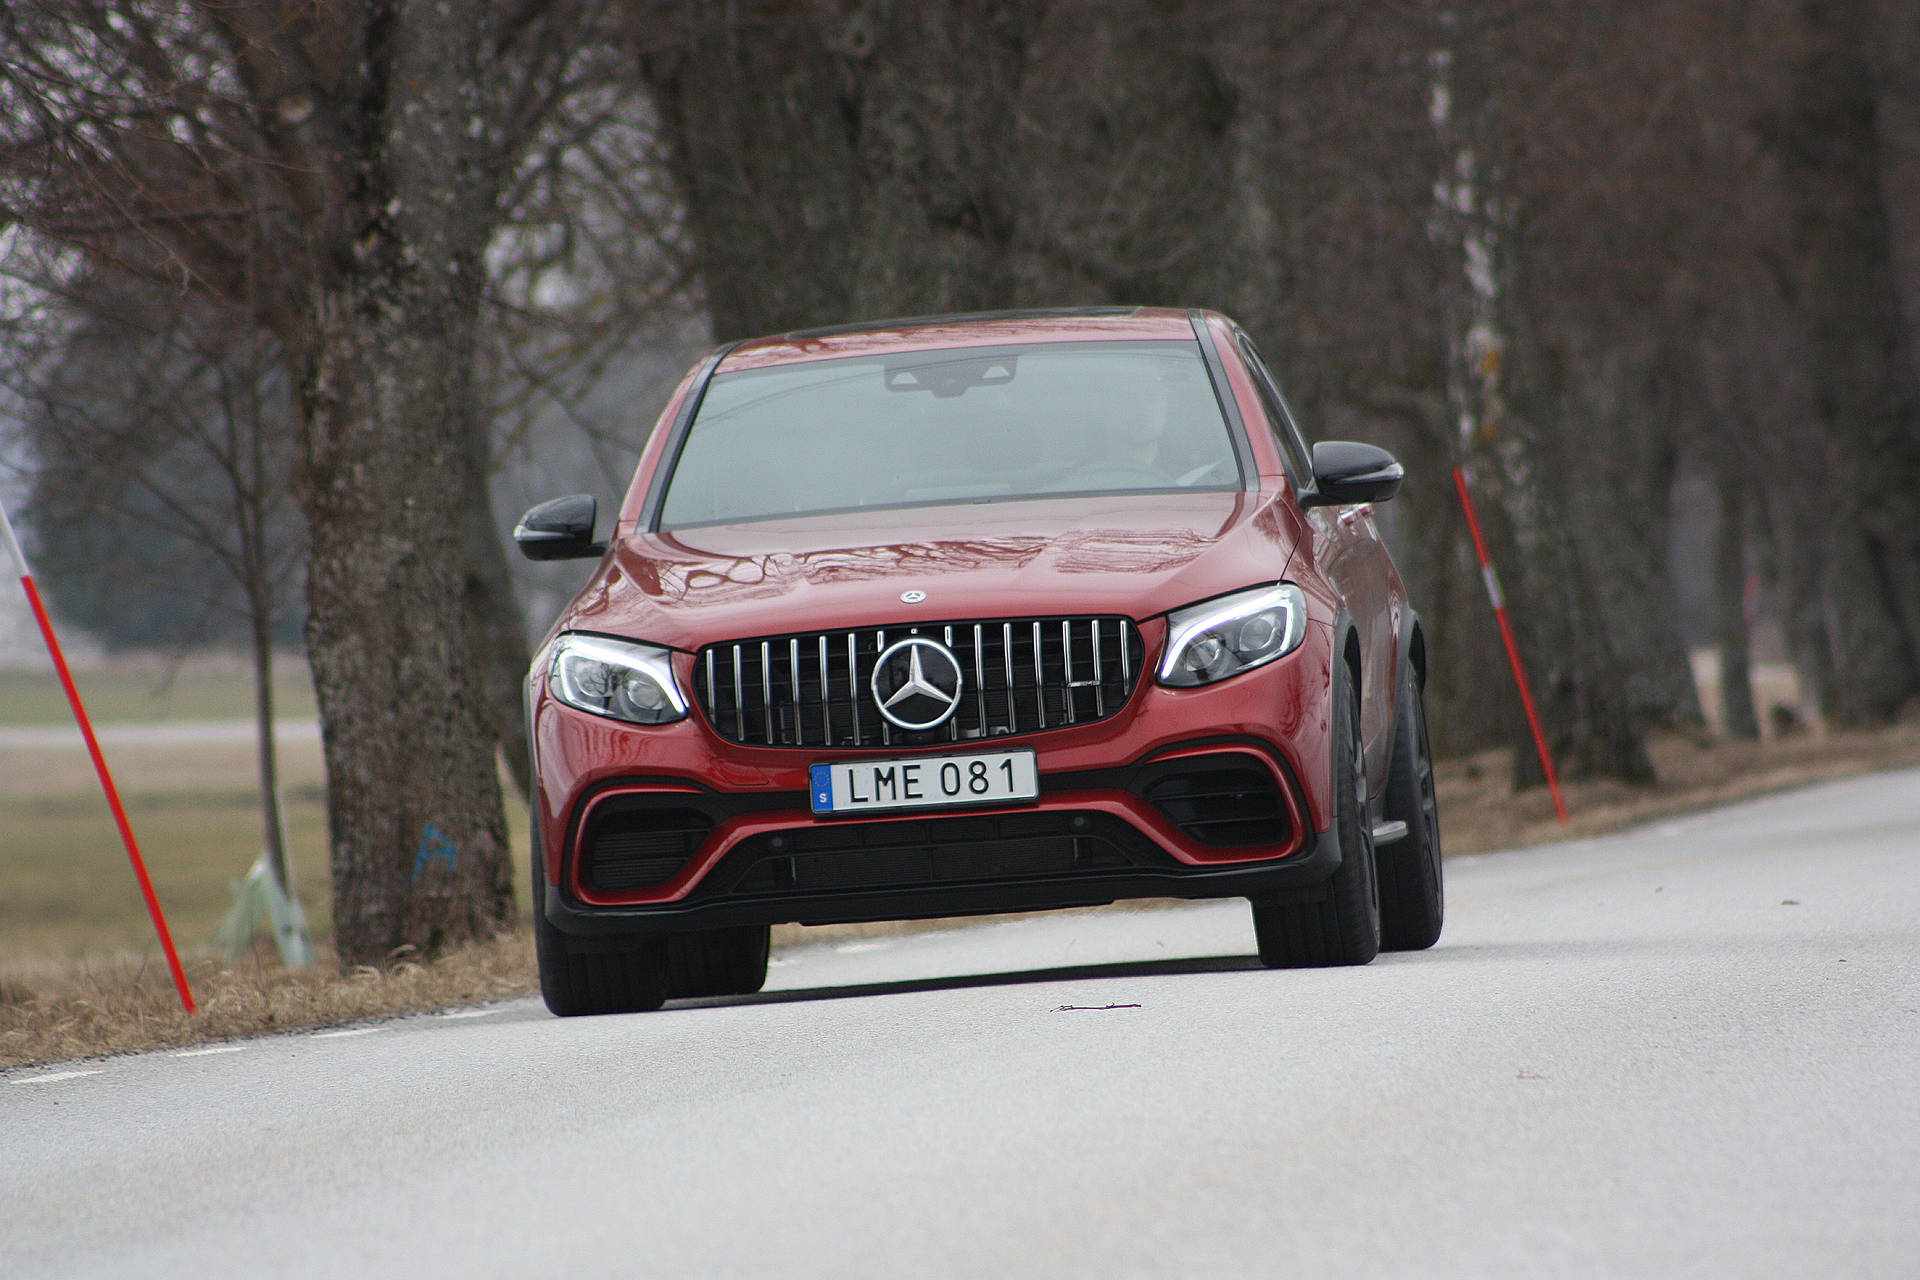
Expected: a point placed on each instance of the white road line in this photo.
(470, 1013)
(52, 1076)
(350, 1031)
(219, 1048)
(854, 948)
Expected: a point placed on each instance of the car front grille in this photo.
(1018, 676)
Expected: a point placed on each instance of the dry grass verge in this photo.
(128, 1004)
(60, 1010)
(1479, 810)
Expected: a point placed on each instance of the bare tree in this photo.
(149, 422)
(333, 173)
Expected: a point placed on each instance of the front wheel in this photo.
(1336, 922)
(718, 962)
(578, 978)
(1412, 890)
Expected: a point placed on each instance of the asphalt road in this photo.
(1692, 1050)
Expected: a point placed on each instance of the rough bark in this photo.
(759, 146)
(1866, 391)
(854, 160)
(842, 160)
(413, 800)
(389, 487)
(1733, 640)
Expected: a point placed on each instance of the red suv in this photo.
(968, 614)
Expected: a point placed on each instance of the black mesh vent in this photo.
(985, 848)
(629, 848)
(1227, 803)
(1018, 676)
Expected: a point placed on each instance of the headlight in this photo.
(617, 678)
(1211, 641)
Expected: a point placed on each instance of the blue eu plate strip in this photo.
(822, 780)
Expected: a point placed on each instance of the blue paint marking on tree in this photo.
(434, 847)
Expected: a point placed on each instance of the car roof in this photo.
(971, 329)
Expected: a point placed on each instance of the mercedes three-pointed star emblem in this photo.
(916, 683)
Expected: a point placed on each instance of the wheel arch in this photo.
(1346, 643)
(1413, 645)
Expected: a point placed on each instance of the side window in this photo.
(1293, 446)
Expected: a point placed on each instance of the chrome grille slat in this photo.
(771, 707)
(739, 698)
(1039, 680)
(766, 685)
(1099, 694)
(953, 722)
(853, 682)
(886, 726)
(1066, 669)
(979, 675)
(826, 696)
(793, 672)
(1006, 642)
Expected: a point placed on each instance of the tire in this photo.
(718, 962)
(1336, 922)
(576, 980)
(1413, 902)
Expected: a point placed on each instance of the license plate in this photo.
(924, 782)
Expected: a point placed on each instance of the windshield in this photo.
(958, 425)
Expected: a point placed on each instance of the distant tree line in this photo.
(1578, 249)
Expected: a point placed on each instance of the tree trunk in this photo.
(845, 162)
(390, 409)
(414, 806)
(758, 128)
(493, 616)
(1737, 717)
(1791, 528)
(273, 834)
(1864, 378)
(1514, 429)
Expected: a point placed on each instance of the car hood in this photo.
(1138, 555)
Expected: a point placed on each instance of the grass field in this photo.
(66, 887)
(151, 690)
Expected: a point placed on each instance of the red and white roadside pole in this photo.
(1506, 633)
(12, 548)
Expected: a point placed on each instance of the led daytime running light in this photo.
(1222, 626)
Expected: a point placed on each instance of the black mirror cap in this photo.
(560, 530)
(1346, 472)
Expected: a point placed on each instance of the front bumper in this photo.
(1191, 793)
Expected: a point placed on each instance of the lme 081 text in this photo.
(924, 781)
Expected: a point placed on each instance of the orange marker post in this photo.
(12, 546)
(1506, 634)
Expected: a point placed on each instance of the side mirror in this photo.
(1346, 472)
(559, 530)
